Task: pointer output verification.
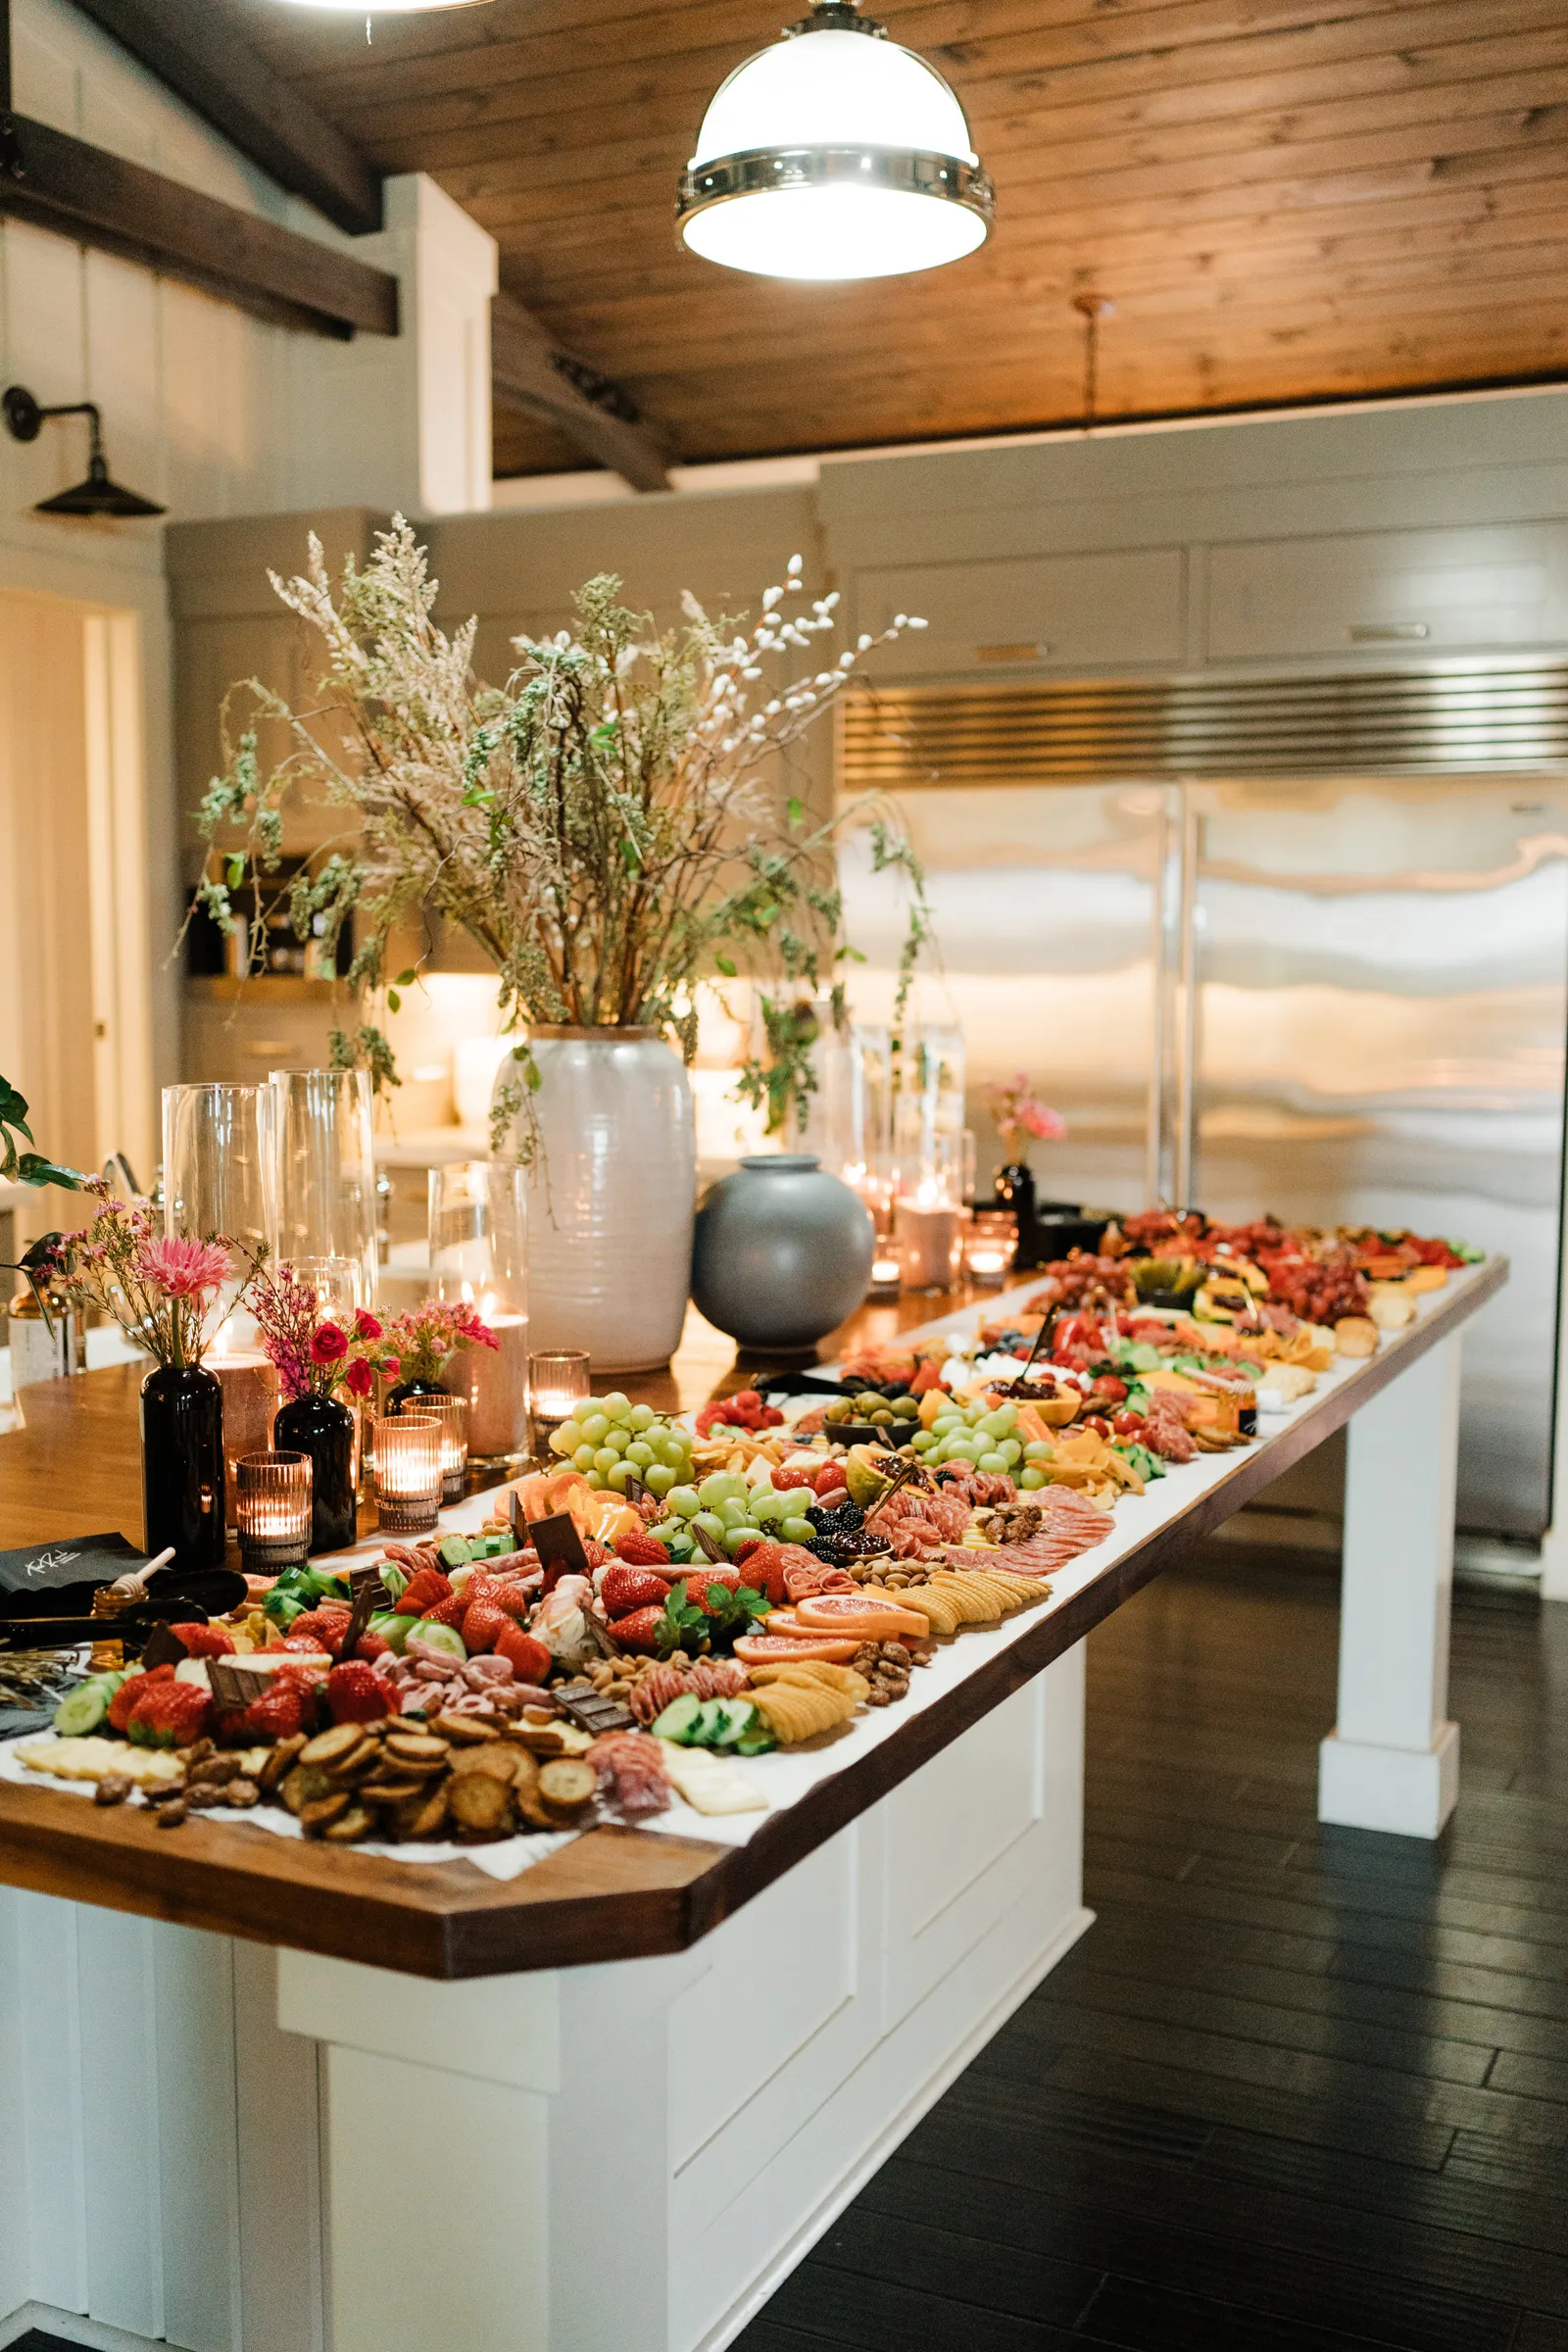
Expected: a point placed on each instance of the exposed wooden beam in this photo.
(200, 52)
(62, 183)
(530, 370)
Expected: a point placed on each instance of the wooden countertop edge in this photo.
(448, 1921)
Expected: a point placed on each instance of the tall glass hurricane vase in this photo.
(479, 1258)
(219, 1167)
(611, 1194)
(325, 1156)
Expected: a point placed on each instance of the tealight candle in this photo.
(558, 1384)
(887, 1276)
(452, 1414)
(272, 1501)
(990, 1245)
(407, 1473)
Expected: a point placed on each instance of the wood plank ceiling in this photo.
(1287, 200)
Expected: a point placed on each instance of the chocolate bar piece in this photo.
(590, 1711)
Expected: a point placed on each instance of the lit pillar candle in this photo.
(495, 1383)
(929, 1240)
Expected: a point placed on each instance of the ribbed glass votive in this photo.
(452, 1414)
(273, 1508)
(407, 1473)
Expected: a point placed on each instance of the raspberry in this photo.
(127, 1696)
(641, 1551)
(481, 1623)
(626, 1588)
(451, 1611)
(169, 1714)
(277, 1714)
(356, 1693)
(204, 1641)
(327, 1625)
(530, 1659)
(639, 1631)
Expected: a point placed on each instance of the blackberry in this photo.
(842, 1551)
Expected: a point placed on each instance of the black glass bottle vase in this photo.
(1015, 1190)
(182, 1465)
(406, 1390)
(323, 1428)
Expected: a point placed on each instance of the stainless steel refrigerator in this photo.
(1342, 998)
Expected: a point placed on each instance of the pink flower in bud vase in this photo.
(183, 1269)
(1038, 1119)
(359, 1379)
(328, 1345)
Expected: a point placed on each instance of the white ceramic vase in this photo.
(611, 1195)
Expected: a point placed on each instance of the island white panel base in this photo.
(627, 2158)
(1392, 1761)
(630, 2158)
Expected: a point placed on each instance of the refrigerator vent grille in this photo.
(1430, 722)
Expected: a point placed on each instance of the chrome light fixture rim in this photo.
(770, 171)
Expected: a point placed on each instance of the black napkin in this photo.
(59, 1578)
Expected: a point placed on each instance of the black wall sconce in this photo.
(98, 494)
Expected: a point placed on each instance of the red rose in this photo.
(330, 1343)
(391, 1365)
(366, 1326)
(359, 1379)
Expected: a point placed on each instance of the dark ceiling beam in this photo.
(529, 368)
(197, 49)
(58, 182)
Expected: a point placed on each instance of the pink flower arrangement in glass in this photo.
(165, 1294)
(1021, 1116)
(314, 1352)
(423, 1338)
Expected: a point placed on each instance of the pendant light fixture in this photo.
(835, 154)
(380, 8)
(98, 495)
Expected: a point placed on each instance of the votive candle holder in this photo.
(452, 1414)
(407, 1473)
(273, 1508)
(558, 1384)
(990, 1246)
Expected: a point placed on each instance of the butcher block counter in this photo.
(636, 2082)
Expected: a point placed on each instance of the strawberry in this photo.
(793, 1474)
(516, 1599)
(639, 1631)
(356, 1693)
(424, 1588)
(626, 1588)
(829, 1478)
(371, 1647)
(327, 1625)
(305, 1646)
(127, 1696)
(640, 1550)
(481, 1621)
(697, 1581)
(288, 1707)
(765, 1564)
(204, 1641)
(594, 1553)
(451, 1611)
(169, 1714)
(531, 1660)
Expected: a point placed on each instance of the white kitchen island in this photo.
(267, 2098)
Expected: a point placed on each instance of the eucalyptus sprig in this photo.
(607, 827)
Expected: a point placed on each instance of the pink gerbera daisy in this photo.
(183, 1269)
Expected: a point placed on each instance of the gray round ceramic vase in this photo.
(781, 1253)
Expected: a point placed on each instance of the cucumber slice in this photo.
(710, 1723)
(82, 1711)
(678, 1719)
(758, 1741)
(453, 1551)
(738, 1714)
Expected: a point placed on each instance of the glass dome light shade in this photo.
(834, 155)
(378, 8)
(833, 90)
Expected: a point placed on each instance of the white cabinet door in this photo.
(1394, 590)
(991, 617)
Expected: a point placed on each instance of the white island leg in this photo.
(1392, 1762)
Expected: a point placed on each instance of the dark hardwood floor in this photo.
(1299, 2088)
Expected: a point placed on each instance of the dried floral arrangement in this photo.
(421, 1341)
(607, 826)
(1022, 1115)
(168, 1296)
